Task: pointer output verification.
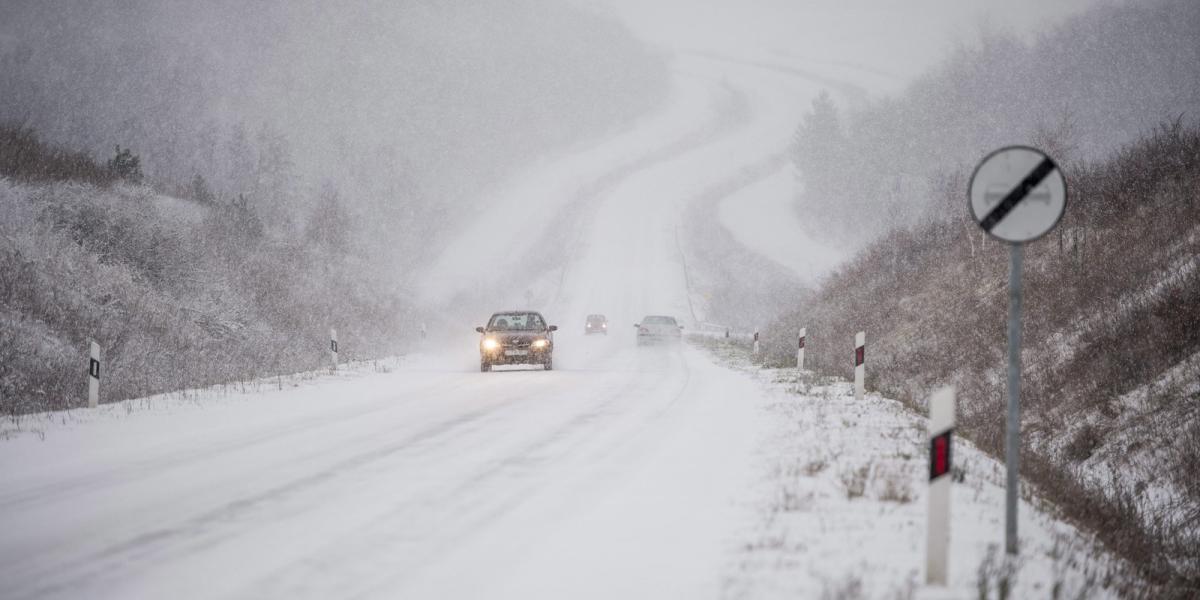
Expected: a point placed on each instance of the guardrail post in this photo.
(860, 366)
(94, 376)
(941, 430)
(800, 348)
(333, 348)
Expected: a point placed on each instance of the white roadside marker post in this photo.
(755, 343)
(1017, 194)
(333, 348)
(941, 430)
(860, 365)
(800, 349)
(94, 376)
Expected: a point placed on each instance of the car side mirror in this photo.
(636, 325)
(552, 328)
(479, 329)
(681, 326)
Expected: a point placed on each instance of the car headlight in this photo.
(539, 344)
(604, 325)
(490, 344)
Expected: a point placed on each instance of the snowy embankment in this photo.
(841, 507)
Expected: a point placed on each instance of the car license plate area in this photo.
(516, 352)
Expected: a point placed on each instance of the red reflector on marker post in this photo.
(939, 454)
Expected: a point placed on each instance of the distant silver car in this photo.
(596, 324)
(658, 329)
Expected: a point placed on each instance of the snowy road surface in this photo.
(614, 480)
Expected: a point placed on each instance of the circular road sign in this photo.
(1017, 194)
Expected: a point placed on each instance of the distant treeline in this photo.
(25, 158)
(1080, 90)
(1112, 307)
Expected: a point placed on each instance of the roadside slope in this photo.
(1110, 342)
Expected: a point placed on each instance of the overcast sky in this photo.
(898, 37)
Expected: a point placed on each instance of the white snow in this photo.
(842, 507)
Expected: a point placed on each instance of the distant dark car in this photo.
(657, 329)
(518, 337)
(596, 324)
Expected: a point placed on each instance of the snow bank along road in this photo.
(623, 473)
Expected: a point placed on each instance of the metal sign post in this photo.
(1012, 432)
(1017, 195)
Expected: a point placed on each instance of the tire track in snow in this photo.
(130, 472)
(484, 496)
(145, 548)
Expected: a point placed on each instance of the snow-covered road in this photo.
(614, 480)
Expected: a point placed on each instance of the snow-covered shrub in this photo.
(172, 305)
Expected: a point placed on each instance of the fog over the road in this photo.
(894, 41)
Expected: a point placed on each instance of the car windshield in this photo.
(659, 320)
(517, 321)
(595, 318)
